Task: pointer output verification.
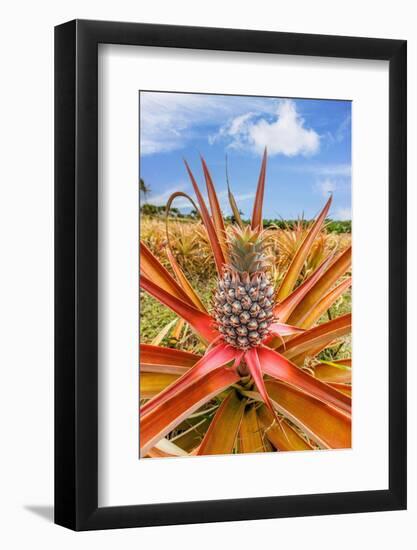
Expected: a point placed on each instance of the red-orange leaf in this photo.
(324, 304)
(328, 427)
(251, 438)
(344, 388)
(280, 330)
(318, 337)
(284, 309)
(201, 322)
(300, 256)
(152, 383)
(221, 436)
(168, 360)
(279, 367)
(285, 330)
(257, 220)
(211, 231)
(315, 293)
(334, 372)
(213, 359)
(215, 209)
(254, 366)
(343, 362)
(151, 268)
(184, 282)
(161, 420)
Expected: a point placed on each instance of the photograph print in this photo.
(245, 274)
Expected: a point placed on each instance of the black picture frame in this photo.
(76, 272)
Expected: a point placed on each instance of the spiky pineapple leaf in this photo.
(336, 269)
(151, 268)
(257, 220)
(214, 358)
(328, 427)
(296, 265)
(325, 303)
(221, 436)
(184, 282)
(161, 359)
(278, 366)
(201, 322)
(334, 372)
(215, 210)
(234, 207)
(247, 250)
(284, 308)
(152, 383)
(344, 388)
(255, 369)
(317, 338)
(211, 231)
(160, 420)
(251, 438)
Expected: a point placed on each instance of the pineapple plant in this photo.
(243, 302)
(257, 383)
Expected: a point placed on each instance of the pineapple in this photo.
(244, 297)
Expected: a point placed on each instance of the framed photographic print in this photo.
(230, 320)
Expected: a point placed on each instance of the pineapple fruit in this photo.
(244, 298)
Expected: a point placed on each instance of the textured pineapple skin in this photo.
(243, 308)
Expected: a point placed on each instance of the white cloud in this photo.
(169, 121)
(283, 133)
(236, 129)
(326, 186)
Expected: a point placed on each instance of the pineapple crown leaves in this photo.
(247, 250)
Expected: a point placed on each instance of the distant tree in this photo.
(339, 226)
(144, 189)
(149, 210)
(159, 211)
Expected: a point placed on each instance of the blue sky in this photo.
(308, 142)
